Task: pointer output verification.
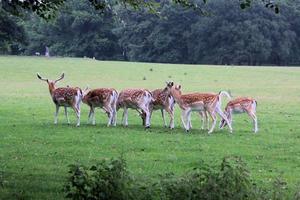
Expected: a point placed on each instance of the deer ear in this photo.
(178, 87)
(170, 84)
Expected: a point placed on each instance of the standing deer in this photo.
(137, 99)
(105, 98)
(241, 105)
(64, 96)
(210, 103)
(163, 101)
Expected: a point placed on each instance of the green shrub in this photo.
(109, 179)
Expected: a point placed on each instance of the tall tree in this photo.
(78, 31)
(46, 9)
(12, 34)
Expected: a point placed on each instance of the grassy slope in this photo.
(34, 153)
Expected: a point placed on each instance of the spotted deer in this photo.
(241, 105)
(137, 99)
(163, 101)
(188, 103)
(105, 98)
(64, 97)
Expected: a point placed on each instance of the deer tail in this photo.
(224, 93)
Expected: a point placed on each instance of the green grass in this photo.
(35, 153)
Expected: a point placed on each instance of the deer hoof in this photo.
(147, 127)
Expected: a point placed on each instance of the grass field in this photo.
(35, 153)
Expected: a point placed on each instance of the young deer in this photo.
(64, 96)
(241, 105)
(105, 98)
(210, 103)
(163, 101)
(138, 99)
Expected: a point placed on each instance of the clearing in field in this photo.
(35, 153)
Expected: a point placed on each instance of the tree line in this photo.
(224, 34)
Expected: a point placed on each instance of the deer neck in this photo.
(177, 97)
(51, 88)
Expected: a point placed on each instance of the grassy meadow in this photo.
(35, 153)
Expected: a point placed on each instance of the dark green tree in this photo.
(12, 34)
(78, 31)
(47, 9)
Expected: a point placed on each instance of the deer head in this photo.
(51, 83)
(84, 93)
(177, 89)
(169, 86)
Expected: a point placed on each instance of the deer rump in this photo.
(135, 99)
(66, 96)
(98, 97)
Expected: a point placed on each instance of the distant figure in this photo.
(37, 53)
(47, 53)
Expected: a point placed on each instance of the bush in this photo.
(109, 179)
(105, 180)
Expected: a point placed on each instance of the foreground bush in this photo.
(109, 179)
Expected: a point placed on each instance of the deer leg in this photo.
(189, 120)
(223, 122)
(201, 113)
(147, 112)
(163, 117)
(78, 117)
(66, 114)
(207, 120)
(183, 119)
(189, 114)
(89, 116)
(77, 111)
(254, 118)
(122, 120)
(93, 116)
(220, 112)
(171, 113)
(110, 115)
(114, 107)
(56, 114)
(125, 116)
(214, 121)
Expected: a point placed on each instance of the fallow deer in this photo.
(65, 97)
(105, 98)
(210, 103)
(163, 101)
(241, 105)
(137, 99)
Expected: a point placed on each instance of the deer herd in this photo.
(145, 102)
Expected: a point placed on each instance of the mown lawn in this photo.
(35, 153)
